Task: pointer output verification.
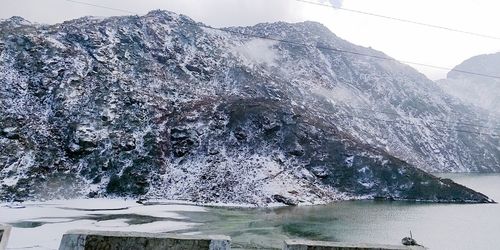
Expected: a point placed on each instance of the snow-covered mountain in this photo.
(161, 106)
(478, 90)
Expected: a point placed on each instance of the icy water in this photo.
(437, 226)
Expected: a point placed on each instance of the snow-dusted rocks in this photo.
(157, 106)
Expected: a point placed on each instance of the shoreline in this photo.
(168, 202)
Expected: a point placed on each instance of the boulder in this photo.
(285, 200)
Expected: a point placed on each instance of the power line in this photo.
(103, 7)
(402, 20)
(305, 45)
(400, 121)
(412, 124)
(456, 123)
(350, 52)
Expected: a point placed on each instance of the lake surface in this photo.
(436, 226)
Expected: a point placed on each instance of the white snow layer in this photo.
(58, 216)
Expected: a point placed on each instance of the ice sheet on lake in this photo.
(41, 224)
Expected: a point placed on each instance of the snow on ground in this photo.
(40, 225)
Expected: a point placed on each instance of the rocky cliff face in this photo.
(158, 106)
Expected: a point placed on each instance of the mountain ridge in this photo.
(481, 91)
(156, 107)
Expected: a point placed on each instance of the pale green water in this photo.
(437, 226)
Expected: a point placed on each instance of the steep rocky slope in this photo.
(159, 106)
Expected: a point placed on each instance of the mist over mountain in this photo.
(160, 106)
(481, 91)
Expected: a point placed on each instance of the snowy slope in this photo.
(159, 106)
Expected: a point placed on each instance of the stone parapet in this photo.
(93, 240)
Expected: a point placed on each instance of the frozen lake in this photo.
(438, 226)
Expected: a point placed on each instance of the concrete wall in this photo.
(4, 236)
(328, 245)
(89, 240)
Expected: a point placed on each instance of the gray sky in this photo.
(402, 41)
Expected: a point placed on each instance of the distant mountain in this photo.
(14, 22)
(159, 106)
(481, 91)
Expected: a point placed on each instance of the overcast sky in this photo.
(402, 41)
